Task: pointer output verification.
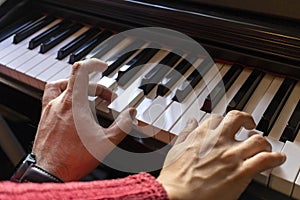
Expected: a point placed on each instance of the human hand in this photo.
(67, 125)
(206, 162)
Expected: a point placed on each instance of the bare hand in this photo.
(206, 162)
(67, 120)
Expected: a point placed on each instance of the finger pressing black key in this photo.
(292, 128)
(270, 115)
(243, 95)
(32, 28)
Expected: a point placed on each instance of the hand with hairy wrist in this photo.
(206, 162)
(66, 117)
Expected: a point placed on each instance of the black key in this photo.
(192, 80)
(104, 47)
(172, 77)
(62, 35)
(274, 108)
(243, 95)
(116, 61)
(17, 26)
(47, 34)
(216, 94)
(77, 42)
(34, 27)
(154, 76)
(87, 47)
(127, 71)
(292, 128)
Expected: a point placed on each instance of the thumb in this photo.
(121, 126)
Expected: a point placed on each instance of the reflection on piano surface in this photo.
(257, 64)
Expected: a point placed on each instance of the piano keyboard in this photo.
(42, 50)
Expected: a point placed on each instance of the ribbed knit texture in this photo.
(139, 186)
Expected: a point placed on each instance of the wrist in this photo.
(169, 189)
(28, 171)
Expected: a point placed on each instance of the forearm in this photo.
(140, 186)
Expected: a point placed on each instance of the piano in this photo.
(256, 64)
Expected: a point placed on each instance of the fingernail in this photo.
(283, 157)
(190, 121)
(132, 113)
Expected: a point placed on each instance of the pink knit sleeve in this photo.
(139, 186)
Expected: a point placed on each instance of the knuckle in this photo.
(235, 113)
(261, 141)
(49, 85)
(229, 157)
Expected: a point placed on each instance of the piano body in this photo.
(257, 54)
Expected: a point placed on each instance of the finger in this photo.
(80, 72)
(233, 121)
(101, 91)
(191, 125)
(252, 146)
(261, 162)
(53, 90)
(121, 126)
(212, 121)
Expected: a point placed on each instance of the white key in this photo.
(296, 190)
(102, 105)
(23, 44)
(108, 82)
(176, 109)
(8, 41)
(12, 56)
(264, 176)
(261, 106)
(155, 109)
(283, 177)
(286, 113)
(23, 58)
(112, 52)
(258, 93)
(127, 99)
(51, 55)
(57, 67)
(207, 115)
(143, 106)
(267, 98)
(64, 74)
(194, 109)
(120, 102)
(21, 48)
(297, 139)
(131, 95)
(194, 112)
(221, 107)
